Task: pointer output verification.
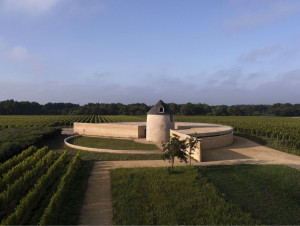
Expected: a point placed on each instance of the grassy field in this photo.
(269, 193)
(153, 196)
(57, 144)
(98, 156)
(207, 195)
(110, 143)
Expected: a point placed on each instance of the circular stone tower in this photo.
(159, 122)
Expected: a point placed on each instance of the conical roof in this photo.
(160, 108)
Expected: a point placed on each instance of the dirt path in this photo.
(97, 206)
(244, 151)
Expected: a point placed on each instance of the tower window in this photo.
(161, 110)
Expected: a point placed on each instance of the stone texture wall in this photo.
(217, 141)
(158, 128)
(66, 141)
(110, 130)
(197, 155)
(207, 142)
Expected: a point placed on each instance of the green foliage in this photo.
(35, 194)
(270, 193)
(175, 148)
(14, 140)
(191, 145)
(152, 196)
(14, 191)
(73, 199)
(112, 143)
(16, 159)
(102, 156)
(241, 194)
(10, 121)
(11, 107)
(55, 206)
(18, 170)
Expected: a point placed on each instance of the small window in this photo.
(161, 110)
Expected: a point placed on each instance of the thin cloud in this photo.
(251, 14)
(102, 74)
(18, 60)
(282, 88)
(293, 75)
(29, 7)
(18, 52)
(260, 54)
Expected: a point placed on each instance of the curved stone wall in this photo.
(106, 150)
(158, 128)
(217, 141)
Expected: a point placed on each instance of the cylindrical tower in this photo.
(159, 122)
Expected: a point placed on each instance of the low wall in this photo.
(197, 152)
(110, 130)
(107, 150)
(206, 143)
(217, 141)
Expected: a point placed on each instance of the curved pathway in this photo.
(97, 206)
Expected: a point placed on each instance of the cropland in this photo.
(47, 185)
(207, 195)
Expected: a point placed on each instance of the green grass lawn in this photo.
(57, 144)
(269, 193)
(245, 194)
(110, 143)
(153, 196)
(100, 156)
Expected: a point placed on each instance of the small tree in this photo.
(174, 148)
(192, 142)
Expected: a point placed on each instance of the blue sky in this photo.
(128, 51)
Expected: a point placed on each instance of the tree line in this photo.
(11, 107)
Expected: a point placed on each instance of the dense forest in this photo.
(11, 107)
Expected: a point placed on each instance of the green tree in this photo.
(174, 148)
(191, 144)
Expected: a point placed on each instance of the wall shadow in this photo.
(222, 154)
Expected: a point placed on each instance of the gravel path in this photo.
(97, 206)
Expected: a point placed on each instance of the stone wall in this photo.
(197, 155)
(66, 141)
(217, 141)
(110, 130)
(206, 142)
(158, 128)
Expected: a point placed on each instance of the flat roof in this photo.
(202, 129)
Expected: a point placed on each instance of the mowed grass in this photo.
(154, 196)
(100, 156)
(244, 194)
(270, 193)
(58, 145)
(110, 143)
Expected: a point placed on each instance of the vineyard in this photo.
(279, 132)
(39, 186)
(8, 121)
(283, 133)
(34, 185)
